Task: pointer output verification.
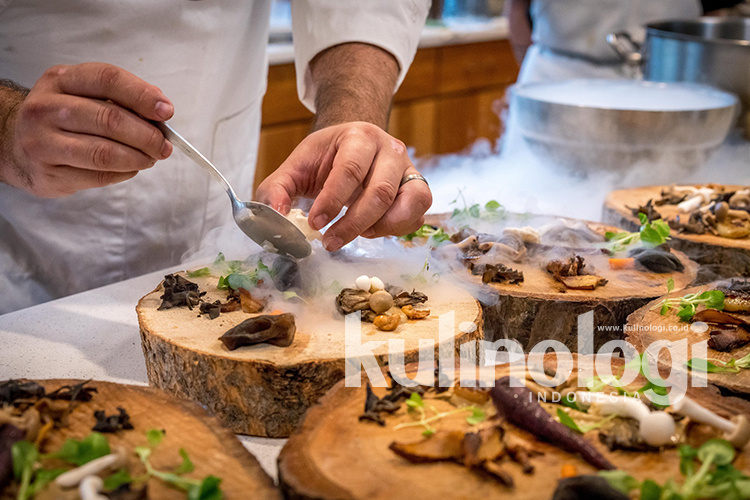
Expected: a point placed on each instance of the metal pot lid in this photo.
(715, 30)
(627, 95)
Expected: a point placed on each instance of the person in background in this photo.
(82, 79)
(566, 39)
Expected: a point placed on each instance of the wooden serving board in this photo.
(541, 308)
(213, 449)
(719, 257)
(361, 466)
(264, 390)
(647, 325)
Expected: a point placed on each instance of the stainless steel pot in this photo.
(709, 50)
(612, 124)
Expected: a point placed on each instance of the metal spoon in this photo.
(261, 223)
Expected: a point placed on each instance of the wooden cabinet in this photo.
(450, 97)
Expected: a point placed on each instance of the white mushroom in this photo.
(656, 428)
(91, 487)
(736, 431)
(363, 283)
(72, 477)
(701, 196)
(526, 234)
(376, 284)
(683, 189)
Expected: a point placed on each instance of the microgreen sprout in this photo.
(417, 406)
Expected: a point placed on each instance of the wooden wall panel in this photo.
(276, 143)
(415, 124)
(445, 103)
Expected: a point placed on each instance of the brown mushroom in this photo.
(386, 322)
(415, 313)
(740, 199)
(380, 301)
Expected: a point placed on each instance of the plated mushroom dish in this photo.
(710, 209)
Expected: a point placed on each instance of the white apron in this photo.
(570, 35)
(209, 58)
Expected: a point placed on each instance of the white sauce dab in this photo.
(299, 219)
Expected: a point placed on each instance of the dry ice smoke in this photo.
(524, 182)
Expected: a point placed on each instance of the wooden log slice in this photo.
(542, 308)
(213, 449)
(333, 455)
(718, 257)
(264, 390)
(647, 325)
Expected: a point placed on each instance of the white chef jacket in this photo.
(570, 36)
(209, 58)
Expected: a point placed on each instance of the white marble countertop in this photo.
(453, 33)
(93, 335)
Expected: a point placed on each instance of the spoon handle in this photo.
(195, 155)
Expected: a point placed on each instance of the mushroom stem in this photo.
(701, 196)
(656, 428)
(736, 431)
(91, 487)
(73, 477)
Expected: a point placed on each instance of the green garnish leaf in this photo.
(620, 480)
(719, 451)
(155, 437)
(203, 271)
(143, 452)
(477, 416)
(117, 479)
(289, 295)
(428, 432)
(75, 452)
(415, 401)
(650, 490)
(208, 489)
(24, 456)
(706, 366)
(688, 455)
(643, 218)
(567, 421)
(670, 285)
(492, 206)
(186, 466)
(219, 259)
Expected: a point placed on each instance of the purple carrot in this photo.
(518, 406)
(9, 434)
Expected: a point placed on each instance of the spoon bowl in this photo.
(261, 223)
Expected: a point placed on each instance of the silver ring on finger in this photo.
(412, 177)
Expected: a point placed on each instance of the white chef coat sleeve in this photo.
(393, 25)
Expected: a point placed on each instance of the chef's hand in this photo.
(357, 165)
(82, 127)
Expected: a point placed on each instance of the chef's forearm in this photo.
(11, 96)
(517, 12)
(354, 82)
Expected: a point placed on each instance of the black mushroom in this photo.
(179, 291)
(518, 406)
(658, 260)
(112, 423)
(374, 406)
(587, 487)
(285, 272)
(10, 390)
(274, 329)
(648, 210)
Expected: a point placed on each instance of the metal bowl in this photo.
(613, 124)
